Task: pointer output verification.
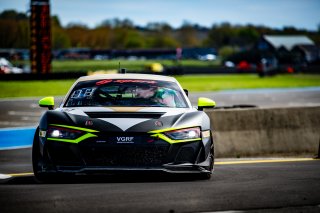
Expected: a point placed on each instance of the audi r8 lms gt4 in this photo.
(123, 122)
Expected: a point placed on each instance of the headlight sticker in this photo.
(206, 134)
(42, 133)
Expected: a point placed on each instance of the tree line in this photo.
(123, 34)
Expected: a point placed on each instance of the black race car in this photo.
(123, 122)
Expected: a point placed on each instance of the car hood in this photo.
(133, 119)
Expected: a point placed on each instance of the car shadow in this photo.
(132, 178)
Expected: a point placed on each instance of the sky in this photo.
(302, 14)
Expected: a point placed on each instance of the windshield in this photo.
(126, 93)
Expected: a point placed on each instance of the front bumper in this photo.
(92, 156)
(185, 168)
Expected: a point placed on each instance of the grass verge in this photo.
(34, 88)
(190, 82)
(243, 81)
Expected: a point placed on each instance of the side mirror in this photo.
(205, 103)
(47, 102)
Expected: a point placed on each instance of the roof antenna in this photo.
(122, 70)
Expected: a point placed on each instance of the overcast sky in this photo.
(272, 13)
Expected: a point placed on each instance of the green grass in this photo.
(224, 82)
(190, 82)
(34, 88)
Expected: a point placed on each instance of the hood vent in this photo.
(149, 115)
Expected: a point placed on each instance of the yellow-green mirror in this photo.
(205, 103)
(47, 102)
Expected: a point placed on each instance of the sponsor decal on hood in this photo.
(123, 122)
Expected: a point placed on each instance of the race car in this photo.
(122, 123)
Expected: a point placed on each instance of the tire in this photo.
(37, 160)
(207, 176)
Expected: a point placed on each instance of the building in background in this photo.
(299, 48)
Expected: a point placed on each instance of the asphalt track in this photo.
(23, 112)
(253, 185)
(245, 186)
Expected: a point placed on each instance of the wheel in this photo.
(207, 176)
(37, 160)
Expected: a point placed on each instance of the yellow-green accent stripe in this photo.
(78, 140)
(158, 134)
(169, 140)
(171, 129)
(75, 127)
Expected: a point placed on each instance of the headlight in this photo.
(60, 132)
(184, 134)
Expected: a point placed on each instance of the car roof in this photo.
(127, 76)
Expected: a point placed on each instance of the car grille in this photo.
(126, 156)
(145, 151)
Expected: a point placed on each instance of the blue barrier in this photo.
(14, 138)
